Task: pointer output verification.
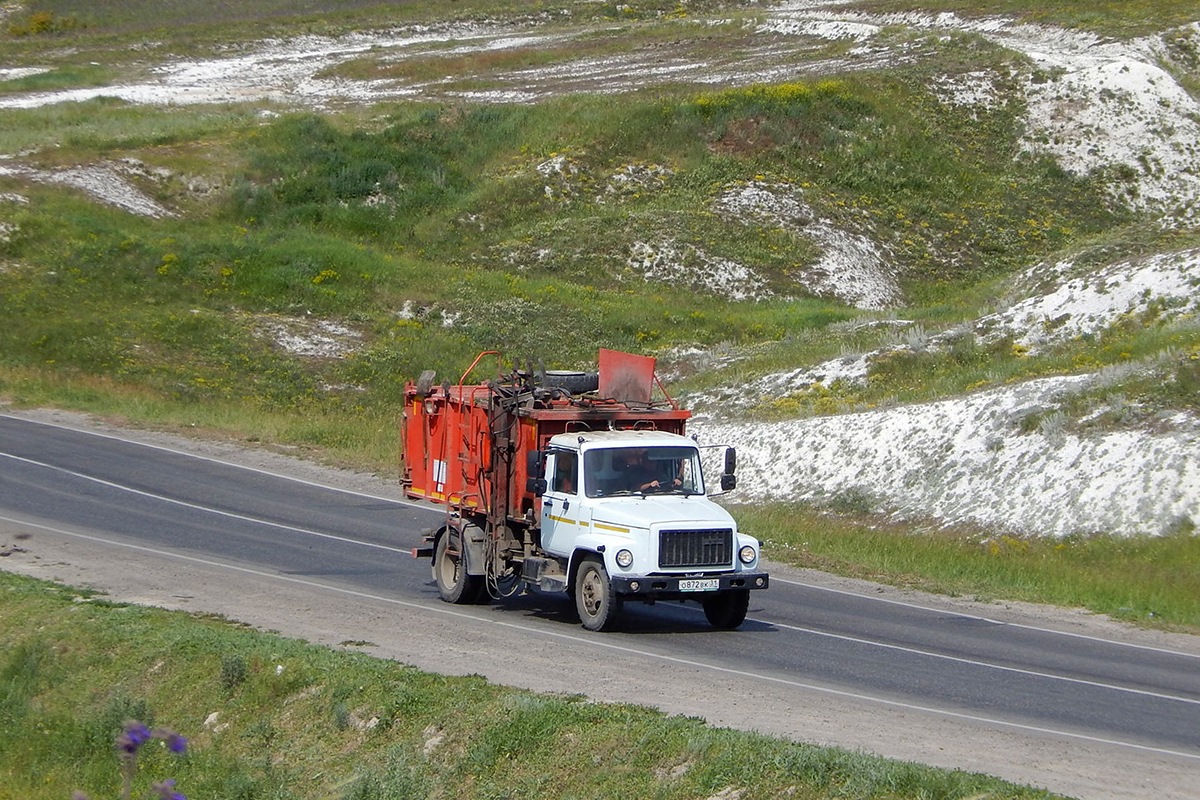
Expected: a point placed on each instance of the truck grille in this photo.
(712, 548)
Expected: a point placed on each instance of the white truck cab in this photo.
(628, 514)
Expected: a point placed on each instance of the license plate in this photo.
(699, 584)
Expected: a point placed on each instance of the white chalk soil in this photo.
(1004, 458)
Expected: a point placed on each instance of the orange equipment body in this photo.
(467, 445)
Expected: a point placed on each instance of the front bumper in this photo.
(671, 587)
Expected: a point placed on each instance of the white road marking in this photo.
(974, 663)
(425, 507)
(307, 531)
(600, 642)
(811, 631)
(214, 460)
(949, 612)
(841, 637)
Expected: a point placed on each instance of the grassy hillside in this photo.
(176, 17)
(271, 717)
(442, 210)
(286, 269)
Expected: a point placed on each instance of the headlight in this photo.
(624, 558)
(747, 555)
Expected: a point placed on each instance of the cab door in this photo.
(560, 503)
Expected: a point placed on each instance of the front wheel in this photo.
(727, 610)
(598, 605)
(450, 570)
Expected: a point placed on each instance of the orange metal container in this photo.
(467, 445)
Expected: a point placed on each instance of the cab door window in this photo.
(565, 477)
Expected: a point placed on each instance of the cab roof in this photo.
(582, 440)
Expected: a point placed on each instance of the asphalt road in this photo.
(1121, 700)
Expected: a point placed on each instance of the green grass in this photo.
(434, 206)
(1160, 359)
(1122, 18)
(194, 26)
(106, 126)
(74, 668)
(1149, 581)
(182, 18)
(67, 77)
(345, 435)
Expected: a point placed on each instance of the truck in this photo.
(584, 483)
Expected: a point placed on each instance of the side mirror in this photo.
(728, 482)
(730, 461)
(534, 482)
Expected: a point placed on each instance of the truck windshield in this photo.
(642, 470)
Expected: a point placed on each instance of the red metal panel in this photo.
(626, 377)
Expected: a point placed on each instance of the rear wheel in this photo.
(727, 610)
(450, 570)
(598, 605)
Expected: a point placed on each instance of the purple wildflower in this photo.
(175, 742)
(137, 731)
(132, 737)
(166, 790)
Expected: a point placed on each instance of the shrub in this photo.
(42, 23)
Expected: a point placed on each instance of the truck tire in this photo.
(727, 610)
(570, 382)
(450, 570)
(598, 605)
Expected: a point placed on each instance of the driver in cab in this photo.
(641, 475)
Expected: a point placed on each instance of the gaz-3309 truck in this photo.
(582, 483)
